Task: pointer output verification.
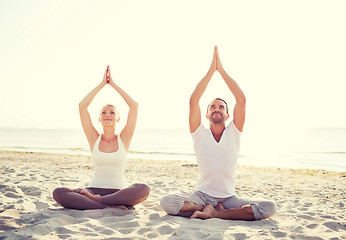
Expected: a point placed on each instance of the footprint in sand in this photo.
(312, 226)
(307, 217)
(85, 230)
(9, 170)
(291, 211)
(91, 235)
(154, 216)
(41, 205)
(107, 232)
(129, 224)
(62, 230)
(8, 224)
(64, 236)
(303, 209)
(152, 235)
(31, 191)
(166, 230)
(335, 226)
(9, 189)
(12, 195)
(143, 230)
(121, 225)
(278, 234)
(328, 217)
(126, 230)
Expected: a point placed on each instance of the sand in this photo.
(311, 203)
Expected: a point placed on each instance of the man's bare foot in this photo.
(95, 197)
(208, 212)
(219, 207)
(191, 207)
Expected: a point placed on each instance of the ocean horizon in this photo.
(324, 149)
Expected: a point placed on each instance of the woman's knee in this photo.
(142, 188)
(59, 194)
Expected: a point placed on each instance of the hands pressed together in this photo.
(216, 64)
(107, 77)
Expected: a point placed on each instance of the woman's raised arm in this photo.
(87, 125)
(127, 133)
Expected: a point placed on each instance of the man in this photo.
(217, 150)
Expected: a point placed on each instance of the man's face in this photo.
(217, 112)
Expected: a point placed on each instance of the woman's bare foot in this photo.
(123, 207)
(208, 212)
(95, 197)
(219, 207)
(78, 190)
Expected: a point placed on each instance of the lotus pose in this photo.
(108, 187)
(217, 150)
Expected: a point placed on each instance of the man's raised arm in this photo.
(239, 108)
(195, 111)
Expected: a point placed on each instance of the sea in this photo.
(324, 148)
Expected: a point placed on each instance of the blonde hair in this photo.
(116, 110)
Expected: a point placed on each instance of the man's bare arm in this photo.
(195, 111)
(239, 108)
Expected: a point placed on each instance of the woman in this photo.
(108, 186)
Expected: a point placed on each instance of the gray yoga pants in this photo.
(172, 203)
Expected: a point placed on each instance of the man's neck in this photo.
(217, 130)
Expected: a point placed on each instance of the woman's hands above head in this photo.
(104, 80)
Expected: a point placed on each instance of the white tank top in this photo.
(109, 168)
(217, 160)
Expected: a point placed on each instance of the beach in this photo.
(311, 203)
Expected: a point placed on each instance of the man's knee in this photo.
(270, 207)
(170, 204)
(265, 209)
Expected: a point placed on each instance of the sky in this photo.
(288, 57)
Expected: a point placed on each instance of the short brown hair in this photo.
(220, 100)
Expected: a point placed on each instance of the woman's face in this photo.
(108, 116)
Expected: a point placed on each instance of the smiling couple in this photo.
(216, 149)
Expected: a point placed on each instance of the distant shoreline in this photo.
(186, 162)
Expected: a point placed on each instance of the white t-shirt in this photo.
(217, 160)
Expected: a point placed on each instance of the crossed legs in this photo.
(242, 213)
(201, 205)
(98, 198)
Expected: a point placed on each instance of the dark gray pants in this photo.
(130, 196)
